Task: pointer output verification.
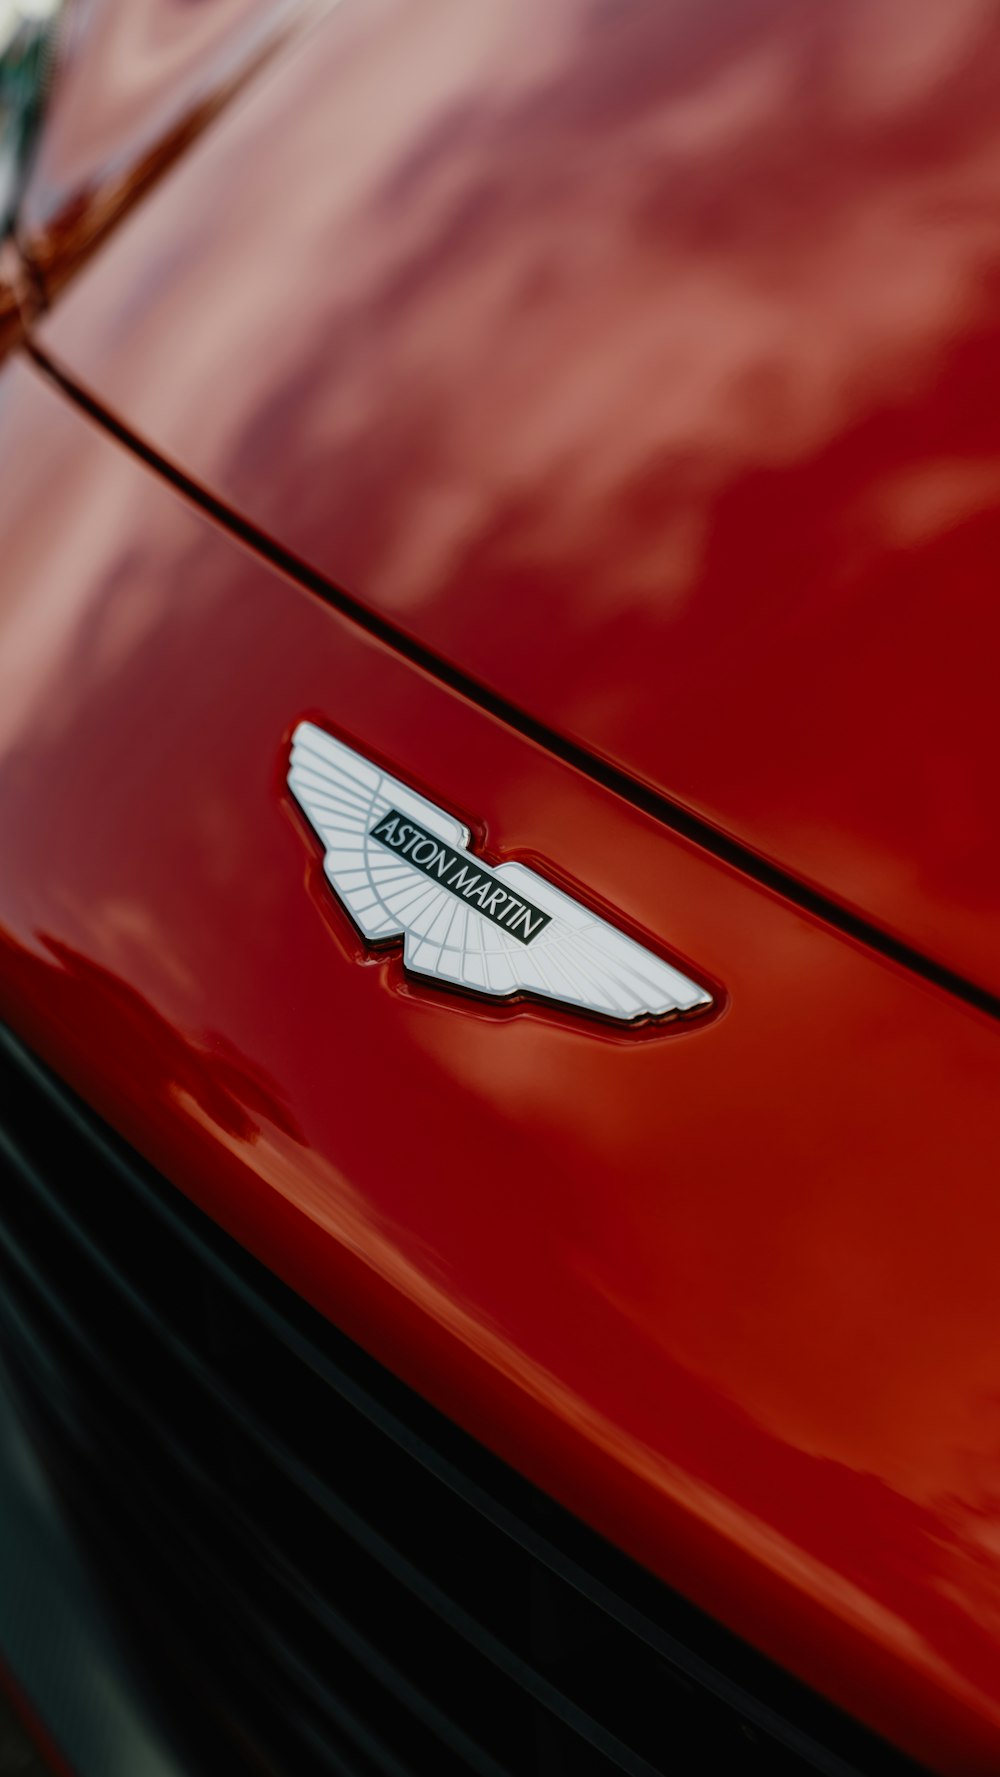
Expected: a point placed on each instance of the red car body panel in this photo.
(133, 86)
(726, 1289)
(641, 372)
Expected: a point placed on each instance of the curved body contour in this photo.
(671, 567)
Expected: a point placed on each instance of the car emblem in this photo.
(404, 868)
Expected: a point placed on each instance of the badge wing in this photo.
(578, 959)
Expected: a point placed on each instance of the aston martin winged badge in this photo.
(404, 868)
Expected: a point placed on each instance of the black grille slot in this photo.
(323, 1572)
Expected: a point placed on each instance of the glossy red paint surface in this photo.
(644, 361)
(133, 85)
(727, 1290)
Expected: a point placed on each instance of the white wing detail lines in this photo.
(403, 868)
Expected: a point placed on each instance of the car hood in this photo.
(726, 1288)
(640, 363)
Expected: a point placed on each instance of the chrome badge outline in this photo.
(404, 868)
